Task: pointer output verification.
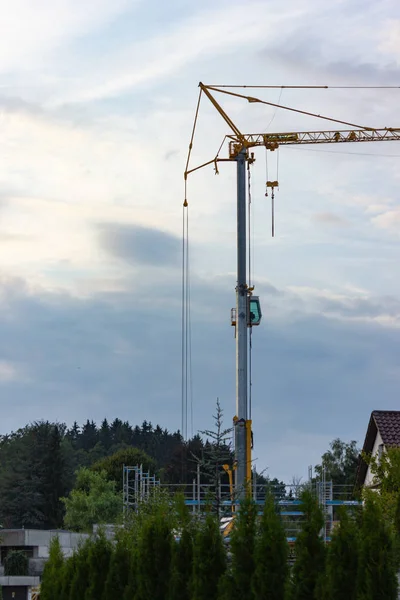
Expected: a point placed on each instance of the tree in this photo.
(271, 554)
(386, 478)
(342, 560)
(215, 454)
(52, 578)
(80, 579)
(340, 462)
(16, 564)
(209, 560)
(377, 569)
(68, 573)
(154, 558)
(112, 465)
(242, 550)
(94, 500)
(98, 565)
(118, 573)
(182, 566)
(309, 549)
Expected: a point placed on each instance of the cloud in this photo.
(118, 354)
(328, 218)
(142, 245)
(388, 220)
(8, 372)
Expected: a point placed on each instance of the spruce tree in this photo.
(209, 560)
(377, 570)
(80, 580)
(182, 566)
(118, 572)
(52, 578)
(154, 558)
(98, 564)
(342, 560)
(271, 556)
(309, 550)
(242, 550)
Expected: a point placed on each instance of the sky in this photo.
(97, 100)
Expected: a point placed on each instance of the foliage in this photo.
(154, 558)
(118, 572)
(51, 584)
(98, 565)
(94, 500)
(385, 470)
(67, 574)
(377, 568)
(80, 579)
(34, 474)
(340, 463)
(309, 549)
(182, 566)
(112, 465)
(242, 550)
(216, 453)
(271, 556)
(209, 560)
(16, 563)
(342, 559)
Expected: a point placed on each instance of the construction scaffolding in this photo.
(138, 487)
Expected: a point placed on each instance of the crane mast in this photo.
(239, 145)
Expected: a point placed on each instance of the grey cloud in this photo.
(328, 218)
(119, 355)
(141, 245)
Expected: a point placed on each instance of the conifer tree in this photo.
(80, 580)
(242, 550)
(271, 556)
(309, 549)
(377, 570)
(209, 560)
(67, 576)
(52, 577)
(342, 560)
(131, 586)
(154, 558)
(98, 564)
(118, 572)
(182, 566)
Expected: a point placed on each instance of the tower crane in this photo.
(248, 311)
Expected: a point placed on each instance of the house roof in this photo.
(387, 422)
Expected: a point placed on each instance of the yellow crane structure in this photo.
(248, 311)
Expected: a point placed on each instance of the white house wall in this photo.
(369, 476)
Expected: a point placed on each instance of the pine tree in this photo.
(209, 560)
(98, 564)
(242, 550)
(118, 572)
(154, 558)
(52, 578)
(271, 556)
(377, 569)
(182, 566)
(80, 580)
(342, 560)
(309, 549)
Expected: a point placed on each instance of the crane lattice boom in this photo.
(272, 141)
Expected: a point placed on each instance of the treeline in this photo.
(39, 463)
(165, 554)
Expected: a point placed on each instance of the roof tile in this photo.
(388, 424)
